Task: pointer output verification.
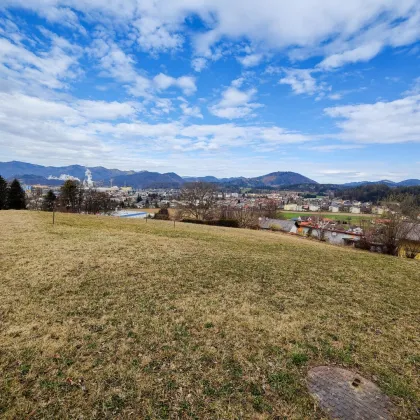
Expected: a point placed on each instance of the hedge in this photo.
(221, 222)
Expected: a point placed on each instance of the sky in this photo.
(326, 88)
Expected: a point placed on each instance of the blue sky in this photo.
(212, 87)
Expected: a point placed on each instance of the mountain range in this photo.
(32, 174)
(405, 183)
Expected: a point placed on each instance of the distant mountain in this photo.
(51, 175)
(147, 179)
(275, 179)
(13, 169)
(406, 183)
(202, 179)
(409, 183)
(278, 179)
(360, 183)
(36, 180)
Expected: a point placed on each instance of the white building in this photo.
(334, 209)
(355, 210)
(313, 207)
(378, 210)
(290, 207)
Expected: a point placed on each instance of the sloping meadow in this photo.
(109, 318)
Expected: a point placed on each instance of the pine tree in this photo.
(49, 199)
(3, 193)
(71, 196)
(16, 197)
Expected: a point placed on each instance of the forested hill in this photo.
(378, 192)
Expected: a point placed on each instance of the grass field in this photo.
(344, 217)
(109, 318)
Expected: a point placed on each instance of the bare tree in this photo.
(394, 229)
(321, 227)
(198, 200)
(97, 202)
(411, 246)
(271, 208)
(36, 199)
(246, 217)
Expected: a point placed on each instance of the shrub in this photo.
(162, 214)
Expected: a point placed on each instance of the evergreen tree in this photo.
(3, 193)
(71, 196)
(16, 197)
(49, 199)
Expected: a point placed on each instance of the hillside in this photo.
(283, 178)
(105, 318)
(147, 179)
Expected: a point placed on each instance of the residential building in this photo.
(314, 207)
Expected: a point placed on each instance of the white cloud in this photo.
(335, 96)
(191, 111)
(76, 112)
(237, 83)
(300, 80)
(154, 35)
(198, 64)
(415, 88)
(382, 122)
(345, 173)
(50, 69)
(235, 104)
(361, 53)
(117, 64)
(233, 97)
(162, 106)
(163, 82)
(91, 130)
(186, 83)
(342, 31)
(102, 110)
(334, 147)
(251, 60)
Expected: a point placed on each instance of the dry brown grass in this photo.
(109, 318)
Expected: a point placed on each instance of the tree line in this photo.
(376, 193)
(73, 198)
(198, 201)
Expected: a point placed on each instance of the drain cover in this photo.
(347, 396)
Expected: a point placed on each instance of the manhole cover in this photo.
(347, 396)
